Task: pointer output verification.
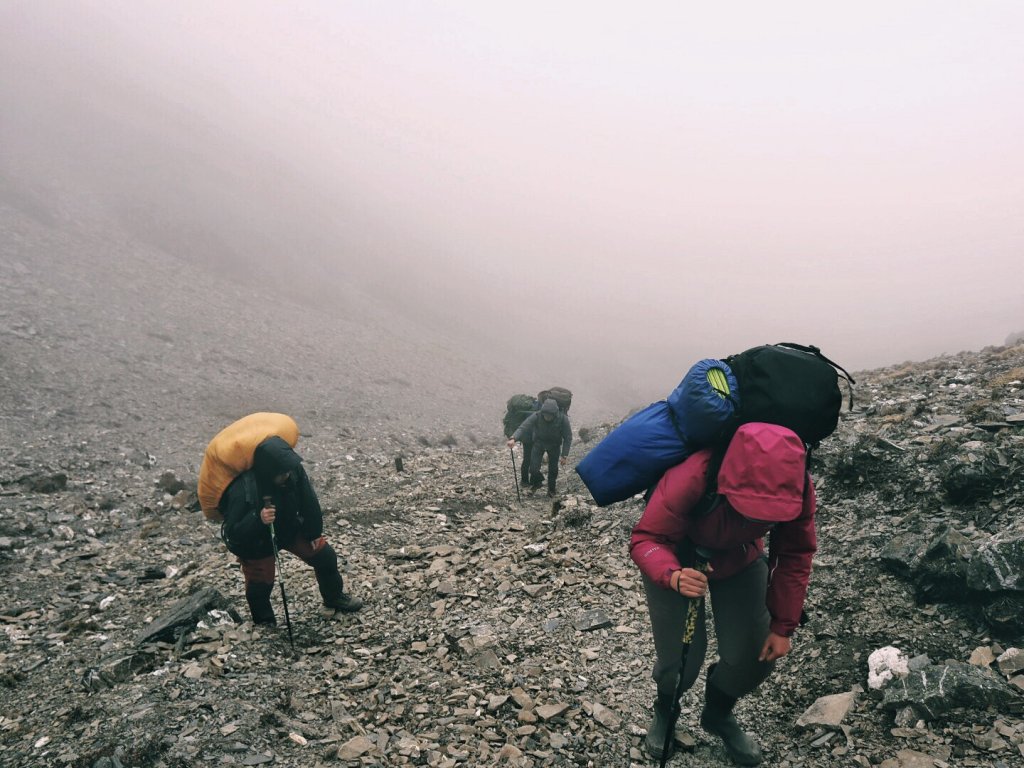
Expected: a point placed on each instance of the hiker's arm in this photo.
(241, 521)
(689, 582)
(775, 647)
(566, 437)
(664, 523)
(525, 428)
(792, 549)
(309, 508)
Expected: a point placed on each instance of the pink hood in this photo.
(764, 472)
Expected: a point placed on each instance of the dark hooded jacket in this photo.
(298, 509)
(548, 434)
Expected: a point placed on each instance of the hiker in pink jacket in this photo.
(763, 486)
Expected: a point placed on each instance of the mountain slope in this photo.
(496, 631)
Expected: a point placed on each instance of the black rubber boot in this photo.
(717, 718)
(258, 597)
(332, 586)
(658, 729)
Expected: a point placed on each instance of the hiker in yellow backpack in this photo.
(275, 498)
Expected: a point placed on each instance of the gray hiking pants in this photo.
(741, 626)
(537, 457)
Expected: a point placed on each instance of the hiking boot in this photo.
(717, 718)
(657, 731)
(344, 604)
(258, 597)
(331, 584)
(551, 493)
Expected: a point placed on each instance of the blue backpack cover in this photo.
(634, 455)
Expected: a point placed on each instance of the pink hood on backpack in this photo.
(763, 473)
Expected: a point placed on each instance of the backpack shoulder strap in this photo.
(711, 498)
(250, 489)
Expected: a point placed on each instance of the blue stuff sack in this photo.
(634, 455)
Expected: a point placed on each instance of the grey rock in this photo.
(551, 711)
(940, 574)
(937, 691)
(970, 482)
(51, 482)
(606, 717)
(828, 711)
(998, 564)
(184, 615)
(170, 483)
(590, 621)
(1005, 613)
(1011, 661)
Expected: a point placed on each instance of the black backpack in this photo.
(517, 409)
(560, 395)
(792, 385)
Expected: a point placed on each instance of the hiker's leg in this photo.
(324, 560)
(553, 454)
(524, 468)
(259, 584)
(741, 626)
(536, 454)
(668, 610)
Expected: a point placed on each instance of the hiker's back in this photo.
(230, 453)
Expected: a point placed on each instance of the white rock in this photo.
(885, 664)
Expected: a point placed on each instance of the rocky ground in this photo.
(496, 631)
(507, 632)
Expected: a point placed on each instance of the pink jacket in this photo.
(763, 475)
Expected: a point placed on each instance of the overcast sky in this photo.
(617, 183)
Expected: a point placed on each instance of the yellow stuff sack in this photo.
(229, 454)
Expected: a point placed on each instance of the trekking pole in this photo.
(693, 606)
(515, 472)
(280, 578)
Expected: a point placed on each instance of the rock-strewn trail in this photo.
(514, 634)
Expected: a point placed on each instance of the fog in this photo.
(592, 193)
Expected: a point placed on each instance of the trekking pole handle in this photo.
(701, 563)
(702, 558)
(268, 503)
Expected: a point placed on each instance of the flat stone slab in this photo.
(828, 711)
(184, 615)
(588, 621)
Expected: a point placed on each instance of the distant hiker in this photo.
(763, 486)
(294, 510)
(517, 410)
(550, 432)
